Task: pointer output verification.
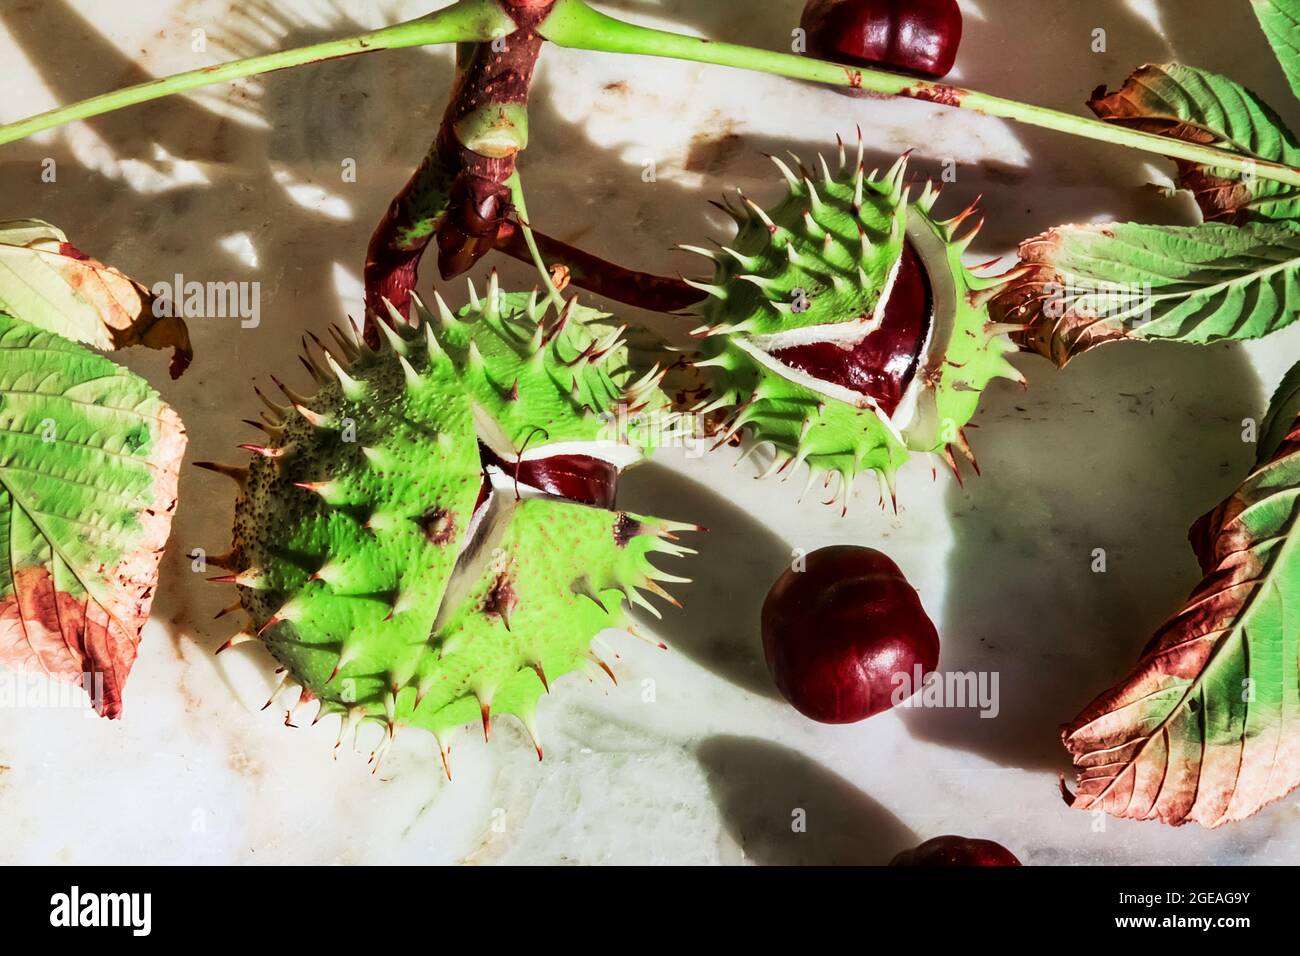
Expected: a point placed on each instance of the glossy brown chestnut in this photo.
(956, 851)
(918, 37)
(580, 478)
(842, 635)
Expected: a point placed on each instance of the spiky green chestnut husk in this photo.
(362, 555)
(819, 269)
(536, 386)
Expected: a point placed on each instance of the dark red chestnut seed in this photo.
(918, 37)
(844, 637)
(956, 851)
(580, 478)
(883, 363)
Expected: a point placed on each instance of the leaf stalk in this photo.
(574, 24)
(462, 22)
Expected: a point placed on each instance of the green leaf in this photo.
(1206, 727)
(1197, 106)
(88, 470)
(1281, 22)
(1282, 411)
(1082, 286)
(47, 281)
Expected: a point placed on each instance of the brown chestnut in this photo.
(956, 851)
(844, 634)
(918, 37)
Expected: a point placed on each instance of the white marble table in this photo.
(1121, 451)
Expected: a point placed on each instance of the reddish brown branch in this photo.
(457, 194)
(460, 197)
(643, 290)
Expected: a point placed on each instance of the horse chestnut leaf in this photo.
(918, 37)
(956, 851)
(841, 635)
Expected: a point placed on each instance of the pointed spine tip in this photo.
(541, 675)
(243, 637)
(352, 388)
(266, 451)
(236, 473)
(389, 333)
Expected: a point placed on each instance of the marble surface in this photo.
(691, 758)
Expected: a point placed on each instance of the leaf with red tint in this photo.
(1206, 727)
(88, 470)
(1197, 106)
(49, 282)
(1081, 286)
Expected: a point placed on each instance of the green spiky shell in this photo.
(553, 578)
(351, 522)
(840, 240)
(546, 383)
(968, 349)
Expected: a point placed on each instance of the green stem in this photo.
(572, 23)
(465, 21)
(517, 197)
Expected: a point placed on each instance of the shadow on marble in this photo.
(718, 626)
(1196, 37)
(1057, 179)
(77, 62)
(759, 786)
(1119, 452)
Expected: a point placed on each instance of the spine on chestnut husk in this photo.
(388, 549)
(842, 327)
